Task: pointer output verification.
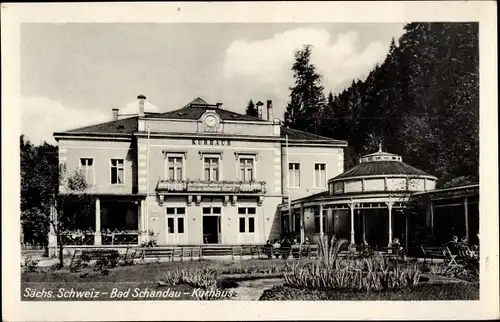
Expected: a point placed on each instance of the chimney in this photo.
(269, 110)
(259, 109)
(141, 99)
(115, 114)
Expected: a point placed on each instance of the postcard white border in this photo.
(332, 12)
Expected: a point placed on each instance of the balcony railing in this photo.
(211, 186)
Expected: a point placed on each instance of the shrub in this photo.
(30, 264)
(152, 240)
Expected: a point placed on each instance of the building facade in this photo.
(196, 175)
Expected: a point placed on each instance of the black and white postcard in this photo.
(240, 161)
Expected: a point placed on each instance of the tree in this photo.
(251, 109)
(39, 176)
(307, 100)
(422, 102)
(73, 206)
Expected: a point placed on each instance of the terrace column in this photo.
(302, 229)
(364, 227)
(389, 206)
(321, 220)
(432, 218)
(466, 218)
(352, 206)
(142, 234)
(97, 236)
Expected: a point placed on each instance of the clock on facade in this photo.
(211, 123)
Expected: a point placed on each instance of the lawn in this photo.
(430, 292)
(143, 277)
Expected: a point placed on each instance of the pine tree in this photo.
(251, 109)
(307, 100)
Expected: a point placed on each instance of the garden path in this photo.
(251, 290)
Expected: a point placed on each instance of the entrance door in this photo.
(211, 225)
(211, 229)
(176, 234)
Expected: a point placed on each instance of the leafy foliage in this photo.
(39, 180)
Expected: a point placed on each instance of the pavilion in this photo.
(365, 204)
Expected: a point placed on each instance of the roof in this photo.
(195, 109)
(381, 168)
(297, 135)
(123, 126)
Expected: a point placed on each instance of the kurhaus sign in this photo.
(211, 142)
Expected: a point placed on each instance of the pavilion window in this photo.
(317, 221)
(175, 168)
(211, 167)
(87, 169)
(320, 175)
(297, 222)
(117, 171)
(294, 174)
(246, 169)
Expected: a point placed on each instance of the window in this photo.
(87, 169)
(246, 219)
(317, 221)
(297, 222)
(174, 168)
(117, 171)
(246, 169)
(175, 220)
(211, 210)
(294, 174)
(320, 175)
(211, 166)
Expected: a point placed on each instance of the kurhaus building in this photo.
(200, 174)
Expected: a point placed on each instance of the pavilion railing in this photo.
(120, 238)
(78, 238)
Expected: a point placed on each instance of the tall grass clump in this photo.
(373, 272)
(204, 277)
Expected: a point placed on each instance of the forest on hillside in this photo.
(421, 102)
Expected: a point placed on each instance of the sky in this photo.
(73, 74)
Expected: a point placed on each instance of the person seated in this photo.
(286, 247)
(268, 249)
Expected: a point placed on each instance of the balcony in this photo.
(201, 186)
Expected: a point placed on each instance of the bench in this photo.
(156, 252)
(112, 256)
(432, 252)
(392, 252)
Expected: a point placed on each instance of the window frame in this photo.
(246, 216)
(293, 184)
(219, 166)
(325, 176)
(239, 167)
(175, 217)
(117, 167)
(167, 166)
(86, 167)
